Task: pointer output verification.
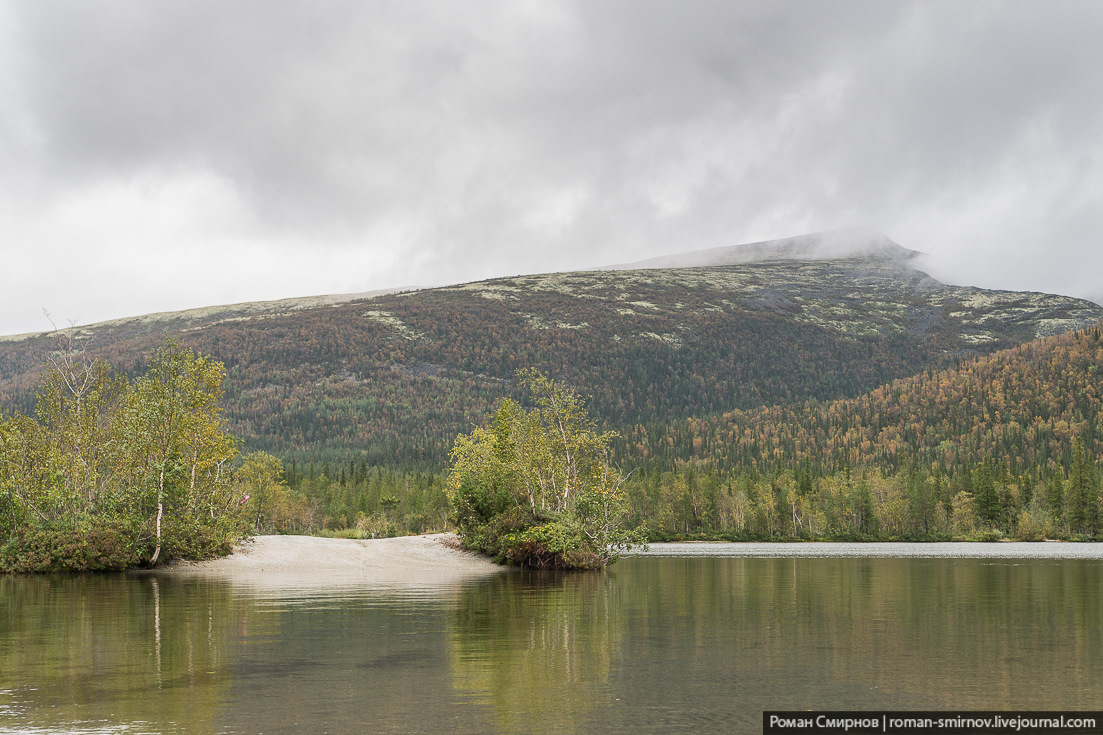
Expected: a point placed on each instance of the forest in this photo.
(697, 502)
(1022, 408)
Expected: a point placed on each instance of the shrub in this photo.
(81, 546)
(554, 545)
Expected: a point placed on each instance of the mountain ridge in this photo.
(214, 314)
(866, 249)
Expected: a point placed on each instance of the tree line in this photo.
(701, 501)
(987, 502)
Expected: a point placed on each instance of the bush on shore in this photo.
(536, 488)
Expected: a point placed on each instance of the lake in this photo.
(658, 644)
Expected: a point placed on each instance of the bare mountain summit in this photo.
(847, 242)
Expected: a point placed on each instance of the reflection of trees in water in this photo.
(668, 637)
(650, 644)
(537, 647)
(156, 647)
(926, 632)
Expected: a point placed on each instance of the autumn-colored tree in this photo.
(262, 489)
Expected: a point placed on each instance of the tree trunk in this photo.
(157, 551)
(160, 513)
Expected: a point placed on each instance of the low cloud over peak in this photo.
(845, 242)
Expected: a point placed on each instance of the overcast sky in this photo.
(164, 155)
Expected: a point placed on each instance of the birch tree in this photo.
(185, 448)
(537, 486)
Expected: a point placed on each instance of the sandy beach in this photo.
(310, 560)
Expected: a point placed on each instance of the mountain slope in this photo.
(1021, 408)
(392, 379)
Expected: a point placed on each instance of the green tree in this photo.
(921, 503)
(863, 507)
(1055, 499)
(536, 487)
(184, 449)
(1083, 494)
(111, 474)
(986, 499)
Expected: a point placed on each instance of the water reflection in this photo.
(654, 645)
(864, 633)
(156, 654)
(537, 647)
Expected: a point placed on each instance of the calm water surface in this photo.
(654, 645)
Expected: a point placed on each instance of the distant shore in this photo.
(879, 549)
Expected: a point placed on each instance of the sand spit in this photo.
(419, 561)
(904, 550)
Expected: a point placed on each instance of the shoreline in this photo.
(438, 558)
(874, 549)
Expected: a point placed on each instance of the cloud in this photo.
(283, 148)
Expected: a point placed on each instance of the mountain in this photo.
(847, 242)
(391, 379)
